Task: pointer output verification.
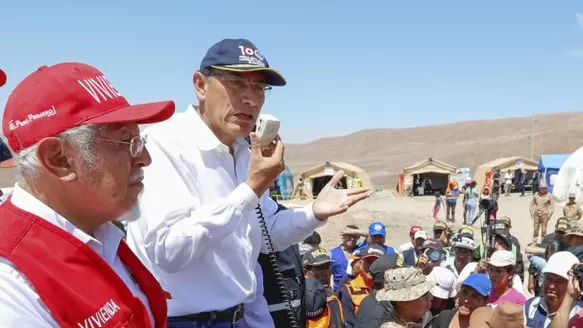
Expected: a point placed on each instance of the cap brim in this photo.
(318, 263)
(272, 77)
(371, 255)
(140, 114)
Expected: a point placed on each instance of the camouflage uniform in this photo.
(541, 210)
(573, 211)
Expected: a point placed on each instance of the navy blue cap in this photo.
(240, 55)
(373, 250)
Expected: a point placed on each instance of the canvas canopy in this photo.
(503, 164)
(315, 178)
(429, 165)
(436, 171)
(549, 166)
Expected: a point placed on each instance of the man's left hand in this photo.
(332, 201)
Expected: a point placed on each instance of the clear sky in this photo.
(350, 65)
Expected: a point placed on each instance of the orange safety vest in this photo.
(333, 316)
(358, 290)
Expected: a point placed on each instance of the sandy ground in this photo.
(399, 213)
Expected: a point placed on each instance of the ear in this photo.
(199, 81)
(56, 159)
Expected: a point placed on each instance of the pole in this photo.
(532, 139)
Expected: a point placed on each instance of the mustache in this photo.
(137, 176)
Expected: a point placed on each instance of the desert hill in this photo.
(384, 152)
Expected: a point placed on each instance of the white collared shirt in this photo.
(198, 231)
(257, 312)
(530, 311)
(20, 305)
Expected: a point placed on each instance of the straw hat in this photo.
(480, 316)
(507, 315)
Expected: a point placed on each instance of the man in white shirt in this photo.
(80, 156)
(199, 229)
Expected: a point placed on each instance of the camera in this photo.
(486, 204)
(435, 255)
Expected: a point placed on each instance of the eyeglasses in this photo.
(240, 84)
(136, 145)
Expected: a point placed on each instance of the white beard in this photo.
(132, 214)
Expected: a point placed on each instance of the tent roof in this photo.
(430, 165)
(505, 162)
(348, 168)
(552, 161)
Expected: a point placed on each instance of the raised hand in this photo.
(332, 201)
(264, 168)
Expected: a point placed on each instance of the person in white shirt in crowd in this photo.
(80, 157)
(410, 244)
(500, 243)
(463, 249)
(199, 229)
(540, 310)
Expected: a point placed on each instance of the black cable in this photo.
(276, 271)
(302, 282)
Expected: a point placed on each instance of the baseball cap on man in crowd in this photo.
(240, 55)
(562, 225)
(439, 226)
(502, 258)
(377, 229)
(414, 229)
(560, 264)
(466, 232)
(56, 98)
(370, 251)
(479, 282)
(421, 234)
(316, 257)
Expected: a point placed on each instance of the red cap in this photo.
(3, 77)
(67, 95)
(414, 229)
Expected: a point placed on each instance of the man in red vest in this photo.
(80, 156)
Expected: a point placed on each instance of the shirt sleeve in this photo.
(176, 227)
(288, 227)
(20, 305)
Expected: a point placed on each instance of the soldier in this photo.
(541, 210)
(572, 210)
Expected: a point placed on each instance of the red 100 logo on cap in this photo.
(247, 51)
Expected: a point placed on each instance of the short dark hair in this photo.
(313, 239)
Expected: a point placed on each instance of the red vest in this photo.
(76, 285)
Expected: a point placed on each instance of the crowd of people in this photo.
(448, 279)
(206, 246)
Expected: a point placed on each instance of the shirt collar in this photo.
(106, 238)
(207, 140)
